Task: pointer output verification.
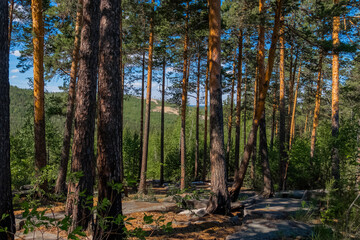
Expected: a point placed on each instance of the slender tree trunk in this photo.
(11, 17)
(121, 99)
(6, 207)
(109, 117)
(183, 103)
(358, 157)
(60, 187)
(317, 108)
(197, 119)
(268, 189)
(142, 112)
(205, 157)
(219, 201)
(291, 100)
(282, 127)
(77, 205)
(238, 104)
(306, 120)
(142, 185)
(39, 98)
(274, 115)
(162, 125)
(228, 145)
(292, 132)
(335, 97)
(235, 190)
(254, 153)
(245, 102)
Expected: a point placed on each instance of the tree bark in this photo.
(235, 190)
(219, 201)
(142, 112)
(6, 207)
(254, 153)
(60, 187)
(83, 160)
(162, 124)
(11, 17)
(228, 145)
(335, 169)
(317, 108)
(39, 98)
(291, 100)
(282, 127)
(268, 189)
(292, 131)
(245, 102)
(196, 167)
(274, 115)
(205, 157)
(238, 104)
(183, 102)
(142, 185)
(109, 117)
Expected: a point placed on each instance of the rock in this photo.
(186, 224)
(260, 229)
(152, 227)
(37, 235)
(196, 212)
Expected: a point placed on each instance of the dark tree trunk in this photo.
(142, 111)
(219, 201)
(245, 102)
(274, 114)
(39, 97)
(60, 187)
(228, 144)
(235, 190)
(109, 117)
(142, 185)
(6, 208)
(162, 124)
(268, 190)
(183, 103)
(238, 104)
(11, 17)
(196, 167)
(83, 160)
(205, 157)
(254, 150)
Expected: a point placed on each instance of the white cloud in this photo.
(16, 53)
(13, 76)
(14, 70)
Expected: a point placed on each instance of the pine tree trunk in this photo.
(335, 169)
(239, 179)
(306, 120)
(11, 17)
(317, 108)
(196, 167)
(219, 201)
(6, 208)
(109, 117)
(282, 127)
(121, 98)
(142, 185)
(60, 187)
(228, 145)
(292, 131)
(183, 103)
(245, 102)
(39, 97)
(142, 112)
(238, 104)
(83, 161)
(291, 100)
(162, 125)
(268, 189)
(205, 155)
(273, 115)
(254, 153)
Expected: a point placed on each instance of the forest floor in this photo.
(252, 217)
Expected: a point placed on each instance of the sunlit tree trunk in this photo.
(282, 128)
(317, 108)
(83, 162)
(39, 98)
(291, 99)
(235, 190)
(205, 155)
(108, 140)
(142, 185)
(142, 111)
(238, 104)
(219, 201)
(60, 187)
(184, 101)
(292, 131)
(197, 120)
(335, 96)
(162, 156)
(6, 207)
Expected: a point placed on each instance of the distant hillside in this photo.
(21, 107)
